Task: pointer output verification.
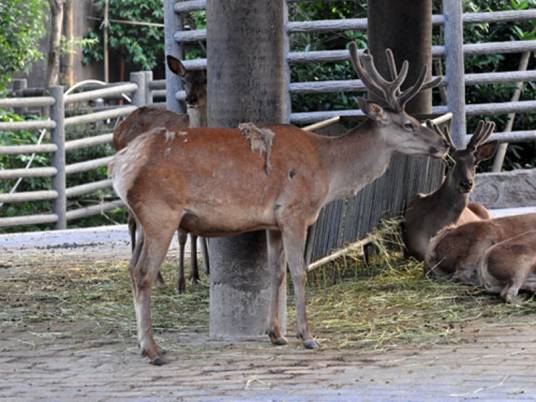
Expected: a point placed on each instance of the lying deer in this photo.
(429, 213)
(510, 266)
(457, 252)
(210, 182)
(147, 118)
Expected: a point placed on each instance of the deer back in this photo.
(210, 170)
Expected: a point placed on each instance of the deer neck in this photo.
(448, 203)
(355, 159)
(197, 116)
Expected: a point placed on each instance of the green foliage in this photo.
(22, 26)
(142, 46)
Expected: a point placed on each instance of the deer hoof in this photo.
(310, 344)
(181, 287)
(158, 361)
(278, 340)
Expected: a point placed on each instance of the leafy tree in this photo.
(22, 26)
(142, 46)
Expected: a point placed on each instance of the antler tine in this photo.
(395, 76)
(434, 82)
(389, 89)
(476, 138)
(445, 132)
(413, 90)
(391, 63)
(370, 84)
(488, 130)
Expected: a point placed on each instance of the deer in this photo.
(456, 252)
(510, 266)
(146, 118)
(212, 182)
(449, 204)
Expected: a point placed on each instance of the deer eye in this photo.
(408, 127)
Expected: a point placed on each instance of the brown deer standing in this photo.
(211, 183)
(429, 213)
(510, 266)
(457, 252)
(146, 118)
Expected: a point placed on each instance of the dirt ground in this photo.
(59, 360)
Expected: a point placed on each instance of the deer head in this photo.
(462, 165)
(402, 132)
(193, 81)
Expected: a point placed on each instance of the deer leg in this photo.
(204, 250)
(294, 245)
(181, 282)
(277, 264)
(194, 277)
(510, 291)
(132, 229)
(143, 272)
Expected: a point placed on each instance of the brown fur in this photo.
(458, 251)
(208, 182)
(145, 119)
(429, 213)
(260, 140)
(509, 266)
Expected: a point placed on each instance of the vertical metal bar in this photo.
(173, 23)
(501, 152)
(453, 32)
(57, 113)
(148, 91)
(138, 97)
(105, 42)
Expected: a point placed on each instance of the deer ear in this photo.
(485, 151)
(176, 66)
(372, 110)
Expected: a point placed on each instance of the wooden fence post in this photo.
(57, 114)
(138, 97)
(453, 33)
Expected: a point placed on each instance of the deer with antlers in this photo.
(146, 118)
(210, 182)
(427, 214)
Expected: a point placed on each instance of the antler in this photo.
(444, 132)
(385, 90)
(481, 134)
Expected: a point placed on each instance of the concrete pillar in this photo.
(406, 28)
(247, 81)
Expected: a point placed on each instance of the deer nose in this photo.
(191, 99)
(466, 184)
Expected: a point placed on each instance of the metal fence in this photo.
(141, 90)
(453, 51)
(347, 220)
(341, 221)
